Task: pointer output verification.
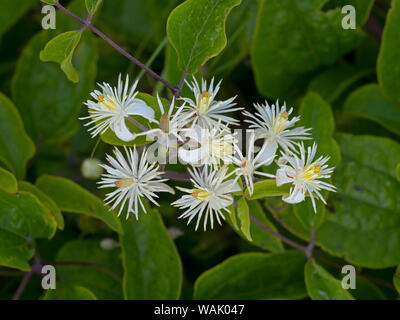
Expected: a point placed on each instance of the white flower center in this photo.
(200, 194)
(124, 183)
(247, 167)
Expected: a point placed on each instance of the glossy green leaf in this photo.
(242, 212)
(110, 137)
(388, 61)
(7, 181)
(323, 286)
(14, 251)
(286, 46)
(15, 146)
(92, 5)
(370, 103)
(254, 276)
(25, 216)
(196, 29)
(103, 277)
(45, 200)
(79, 200)
(267, 188)
(61, 49)
(22, 218)
(50, 108)
(11, 11)
(396, 279)
(65, 291)
(317, 114)
(152, 266)
(365, 221)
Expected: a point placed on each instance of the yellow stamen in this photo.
(311, 171)
(164, 123)
(204, 101)
(200, 194)
(281, 121)
(124, 183)
(107, 102)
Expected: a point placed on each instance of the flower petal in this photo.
(140, 108)
(122, 132)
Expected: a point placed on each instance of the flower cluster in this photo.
(198, 131)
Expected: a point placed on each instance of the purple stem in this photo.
(279, 236)
(118, 48)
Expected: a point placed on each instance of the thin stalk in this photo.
(155, 54)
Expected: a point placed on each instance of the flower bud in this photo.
(91, 169)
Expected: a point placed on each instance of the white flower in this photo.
(168, 132)
(304, 174)
(211, 195)
(247, 166)
(112, 106)
(211, 146)
(205, 111)
(272, 124)
(133, 179)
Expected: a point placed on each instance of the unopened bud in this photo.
(91, 169)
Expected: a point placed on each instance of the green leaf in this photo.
(61, 49)
(92, 5)
(240, 26)
(15, 146)
(254, 276)
(260, 237)
(332, 83)
(24, 215)
(322, 286)
(44, 200)
(11, 11)
(366, 290)
(103, 279)
(317, 115)
(22, 218)
(267, 188)
(79, 200)
(293, 38)
(388, 60)
(110, 137)
(396, 279)
(152, 267)
(398, 172)
(149, 27)
(369, 102)
(242, 212)
(48, 102)
(364, 227)
(51, 2)
(7, 181)
(65, 291)
(14, 251)
(305, 213)
(362, 7)
(196, 29)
